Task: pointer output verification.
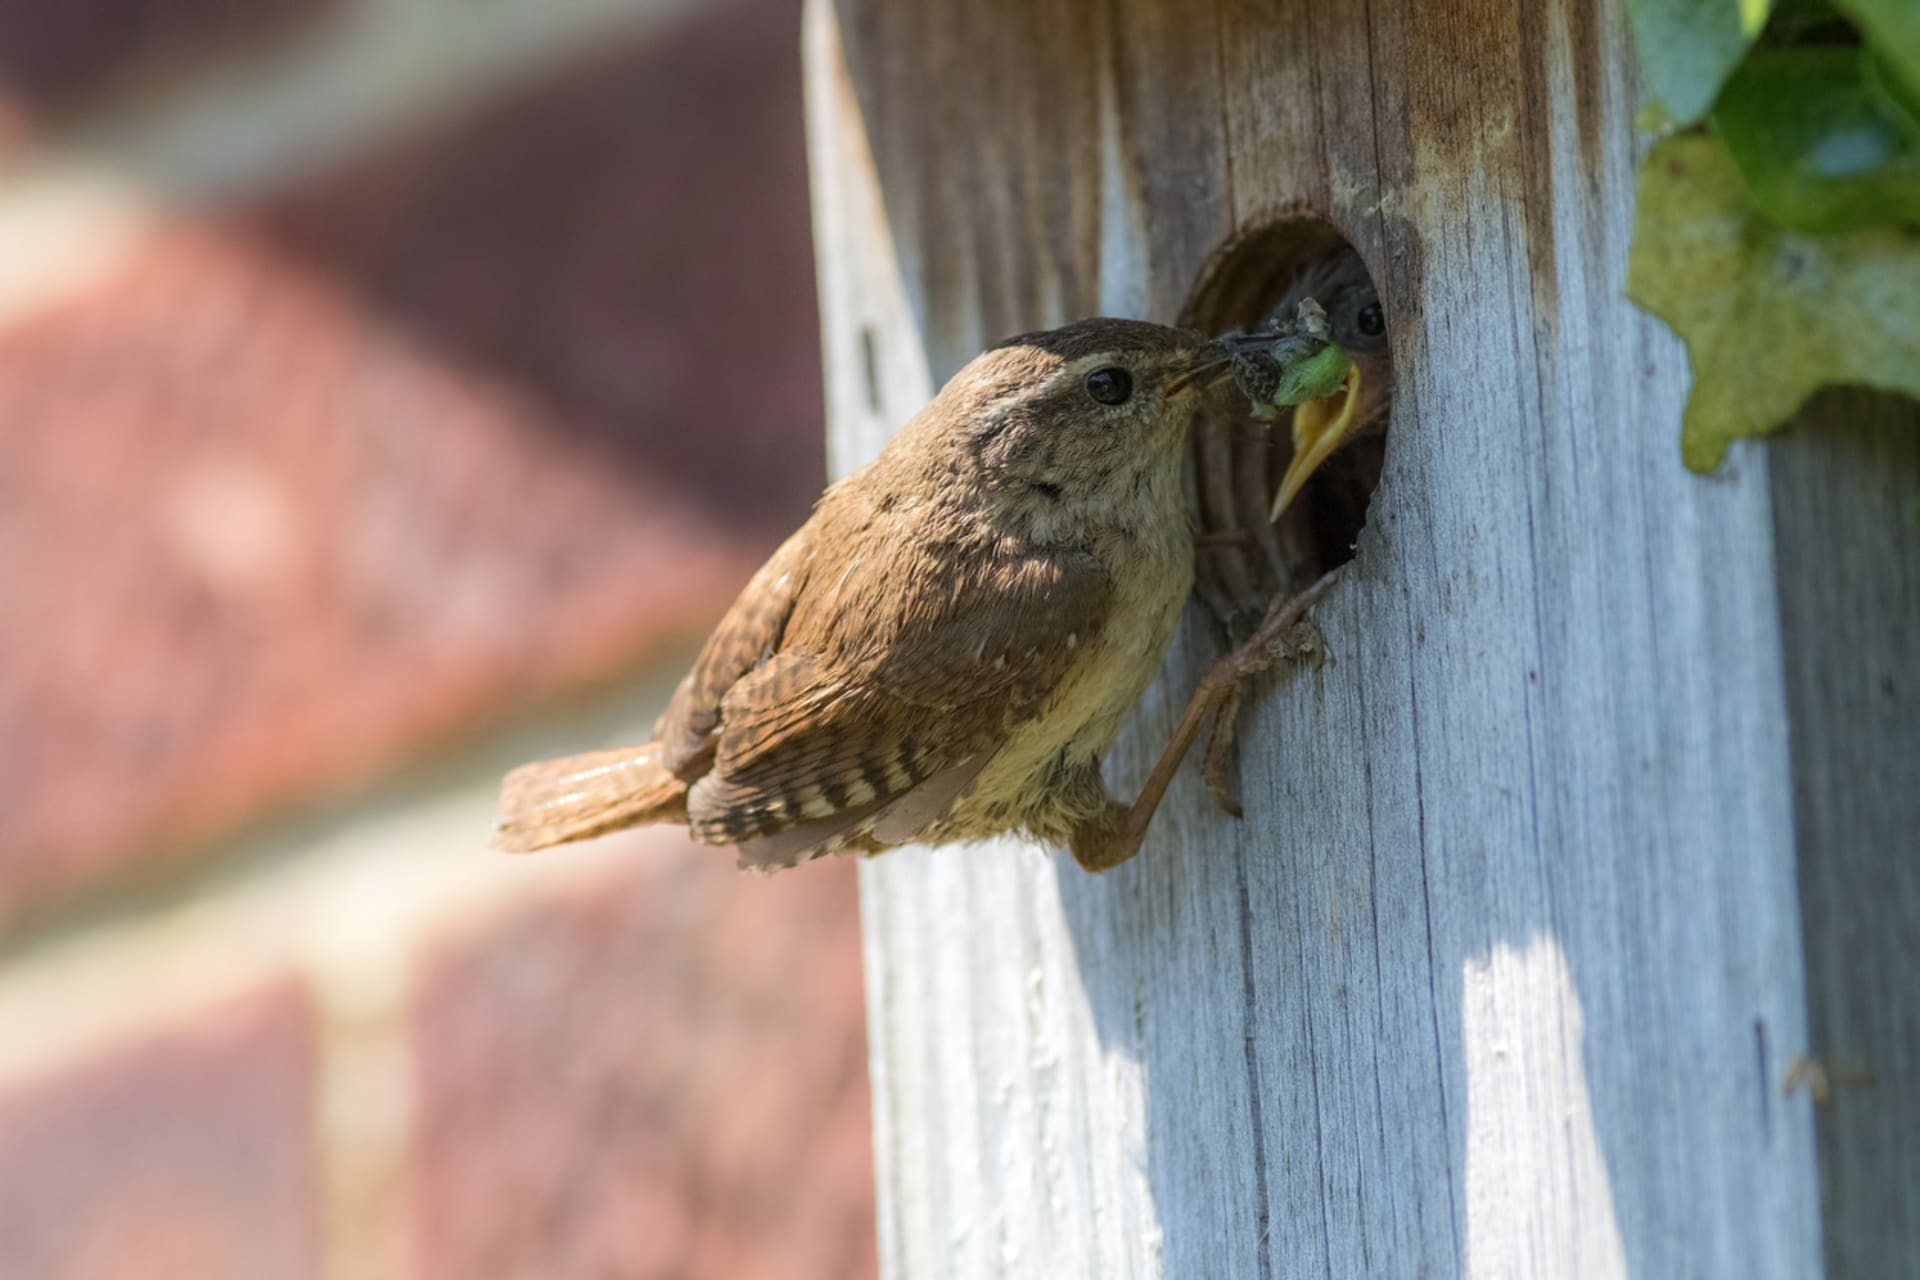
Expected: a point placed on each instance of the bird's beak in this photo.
(1319, 428)
(1211, 366)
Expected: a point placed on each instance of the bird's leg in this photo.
(1220, 763)
(1116, 836)
(1290, 642)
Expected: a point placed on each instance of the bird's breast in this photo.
(1086, 711)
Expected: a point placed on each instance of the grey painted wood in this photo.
(1502, 971)
(1847, 512)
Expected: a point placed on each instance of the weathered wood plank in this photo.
(1845, 490)
(1500, 973)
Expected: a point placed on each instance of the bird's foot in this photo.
(1286, 636)
(1213, 706)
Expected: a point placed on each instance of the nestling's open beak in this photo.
(1319, 428)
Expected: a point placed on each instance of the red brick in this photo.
(628, 247)
(187, 1154)
(58, 55)
(662, 1075)
(495, 415)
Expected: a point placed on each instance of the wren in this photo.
(947, 648)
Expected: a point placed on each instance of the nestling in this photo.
(1337, 287)
(1319, 361)
(950, 644)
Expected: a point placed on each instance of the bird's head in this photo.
(1086, 419)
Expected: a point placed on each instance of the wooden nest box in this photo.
(1595, 835)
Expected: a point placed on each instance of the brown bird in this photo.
(950, 644)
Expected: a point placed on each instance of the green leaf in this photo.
(1768, 316)
(1892, 30)
(1688, 47)
(1892, 97)
(1817, 152)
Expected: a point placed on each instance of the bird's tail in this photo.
(551, 802)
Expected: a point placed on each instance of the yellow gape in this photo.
(1319, 427)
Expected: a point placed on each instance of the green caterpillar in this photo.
(1302, 364)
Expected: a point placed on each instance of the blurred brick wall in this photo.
(57, 59)
(322, 468)
(574, 1122)
(189, 1154)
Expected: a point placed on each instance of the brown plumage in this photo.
(949, 645)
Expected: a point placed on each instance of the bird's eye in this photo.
(1372, 323)
(1111, 385)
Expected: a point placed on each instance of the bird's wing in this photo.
(749, 634)
(852, 740)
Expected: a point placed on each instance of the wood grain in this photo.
(1847, 538)
(1501, 973)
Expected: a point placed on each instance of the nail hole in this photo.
(1238, 461)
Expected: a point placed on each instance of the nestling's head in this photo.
(1339, 283)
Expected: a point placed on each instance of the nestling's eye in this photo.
(1371, 322)
(1111, 385)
